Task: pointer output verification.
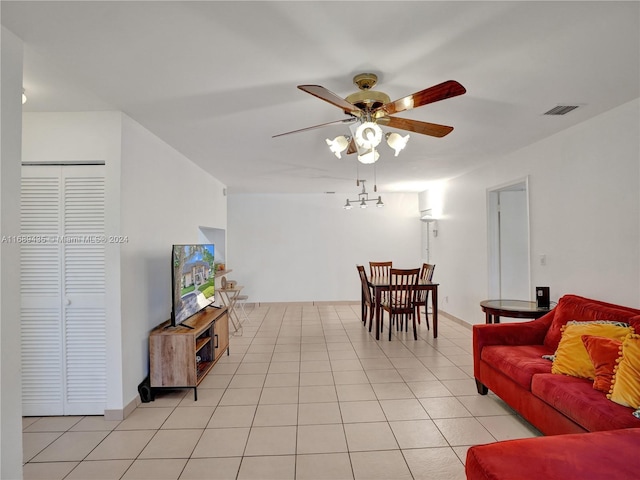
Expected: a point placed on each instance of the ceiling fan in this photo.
(371, 108)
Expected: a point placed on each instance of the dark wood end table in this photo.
(494, 309)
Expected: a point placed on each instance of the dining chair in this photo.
(426, 274)
(400, 303)
(368, 302)
(380, 269)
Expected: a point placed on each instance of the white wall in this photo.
(165, 198)
(295, 248)
(10, 381)
(585, 216)
(85, 137)
(155, 197)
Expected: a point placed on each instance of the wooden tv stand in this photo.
(180, 357)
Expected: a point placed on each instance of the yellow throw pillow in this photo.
(625, 386)
(572, 357)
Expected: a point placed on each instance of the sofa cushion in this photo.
(593, 456)
(577, 399)
(625, 385)
(571, 307)
(603, 353)
(572, 358)
(519, 363)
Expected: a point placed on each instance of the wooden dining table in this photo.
(382, 284)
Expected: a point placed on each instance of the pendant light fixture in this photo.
(363, 198)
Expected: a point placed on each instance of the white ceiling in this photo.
(217, 79)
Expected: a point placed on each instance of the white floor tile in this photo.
(271, 467)
(434, 464)
(327, 466)
(370, 436)
(321, 439)
(417, 434)
(271, 441)
(380, 465)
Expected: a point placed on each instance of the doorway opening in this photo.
(509, 241)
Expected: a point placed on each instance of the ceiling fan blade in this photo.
(447, 89)
(425, 128)
(352, 148)
(344, 120)
(328, 96)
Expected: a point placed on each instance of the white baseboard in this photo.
(303, 304)
(121, 414)
(454, 319)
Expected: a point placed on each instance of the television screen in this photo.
(193, 280)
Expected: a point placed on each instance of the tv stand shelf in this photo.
(201, 342)
(180, 357)
(222, 273)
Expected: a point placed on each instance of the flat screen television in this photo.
(192, 280)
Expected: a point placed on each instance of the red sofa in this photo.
(508, 360)
(608, 455)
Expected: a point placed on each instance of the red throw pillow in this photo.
(603, 352)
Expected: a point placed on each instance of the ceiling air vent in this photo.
(561, 110)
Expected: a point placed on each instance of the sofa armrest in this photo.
(520, 333)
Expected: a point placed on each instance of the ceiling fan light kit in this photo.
(368, 135)
(369, 156)
(396, 141)
(338, 145)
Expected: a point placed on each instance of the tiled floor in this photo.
(307, 393)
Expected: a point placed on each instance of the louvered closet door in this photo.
(41, 293)
(83, 280)
(64, 337)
